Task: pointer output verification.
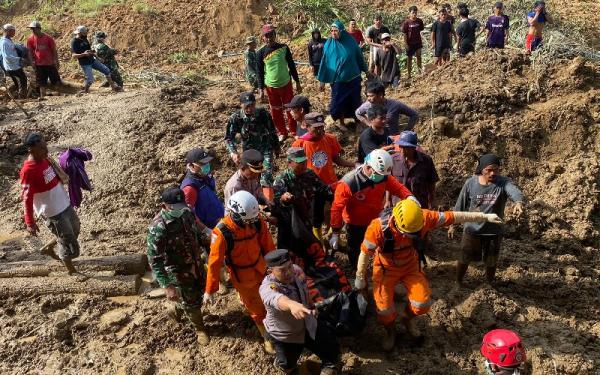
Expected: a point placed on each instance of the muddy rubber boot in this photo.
(269, 348)
(390, 337)
(461, 271)
(317, 233)
(69, 265)
(408, 321)
(48, 250)
(201, 335)
(328, 371)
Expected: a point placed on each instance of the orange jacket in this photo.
(247, 264)
(358, 200)
(404, 252)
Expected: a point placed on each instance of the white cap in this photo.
(9, 26)
(35, 24)
(384, 35)
(81, 30)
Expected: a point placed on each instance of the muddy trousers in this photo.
(251, 300)
(65, 226)
(324, 345)
(19, 78)
(355, 236)
(385, 279)
(190, 303)
(278, 96)
(479, 248)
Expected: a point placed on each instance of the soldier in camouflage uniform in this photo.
(174, 253)
(251, 63)
(301, 188)
(106, 55)
(255, 126)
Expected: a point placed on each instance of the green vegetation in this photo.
(6, 5)
(144, 8)
(183, 57)
(89, 8)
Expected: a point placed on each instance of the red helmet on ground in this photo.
(503, 347)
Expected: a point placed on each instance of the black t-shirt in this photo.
(374, 33)
(466, 31)
(79, 45)
(442, 32)
(369, 140)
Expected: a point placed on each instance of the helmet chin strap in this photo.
(502, 371)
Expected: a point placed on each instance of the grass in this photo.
(183, 57)
(6, 5)
(144, 8)
(90, 8)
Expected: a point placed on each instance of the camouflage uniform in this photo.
(174, 251)
(251, 68)
(106, 55)
(310, 194)
(257, 132)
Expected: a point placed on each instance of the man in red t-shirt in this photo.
(356, 33)
(43, 56)
(44, 195)
(322, 149)
(412, 28)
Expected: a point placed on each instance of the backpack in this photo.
(346, 312)
(230, 242)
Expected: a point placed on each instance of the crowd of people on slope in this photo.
(40, 52)
(385, 206)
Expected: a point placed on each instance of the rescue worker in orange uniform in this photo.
(394, 239)
(359, 198)
(241, 239)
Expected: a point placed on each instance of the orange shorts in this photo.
(385, 278)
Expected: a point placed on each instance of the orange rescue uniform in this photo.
(320, 156)
(358, 200)
(246, 263)
(401, 265)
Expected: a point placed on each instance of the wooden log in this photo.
(110, 286)
(128, 264)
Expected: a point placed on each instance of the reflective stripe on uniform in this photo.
(369, 245)
(421, 305)
(441, 220)
(389, 311)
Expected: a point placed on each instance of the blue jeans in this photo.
(89, 75)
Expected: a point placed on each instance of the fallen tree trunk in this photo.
(129, 264)
(109, 286)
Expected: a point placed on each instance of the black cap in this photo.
(299, 101)
(247, 98)
(296, 154)
(277, 258)
(487, 160)
(499, 5)
(33, 139)
(175, 197)
(252, 159)
(314, 119)
(198, 155)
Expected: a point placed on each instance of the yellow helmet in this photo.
(408, 216)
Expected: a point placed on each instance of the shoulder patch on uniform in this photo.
(273, 286)
(213, 238)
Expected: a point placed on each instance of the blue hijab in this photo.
(342, 58)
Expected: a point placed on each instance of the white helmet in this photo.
(243, 207)
(380, 161)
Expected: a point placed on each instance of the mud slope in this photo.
(544, 123)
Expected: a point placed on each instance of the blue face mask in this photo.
(205, 169)
(376, 177)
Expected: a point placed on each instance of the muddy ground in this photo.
(544, 122)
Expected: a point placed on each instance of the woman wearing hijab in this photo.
(341, 67)
(315, 50)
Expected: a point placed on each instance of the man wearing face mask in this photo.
(256, 129)
(301, 189)
(359, 198)
(199, 188)
(487, 191)
(291, 321)
(240, 241)
(395, 240)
